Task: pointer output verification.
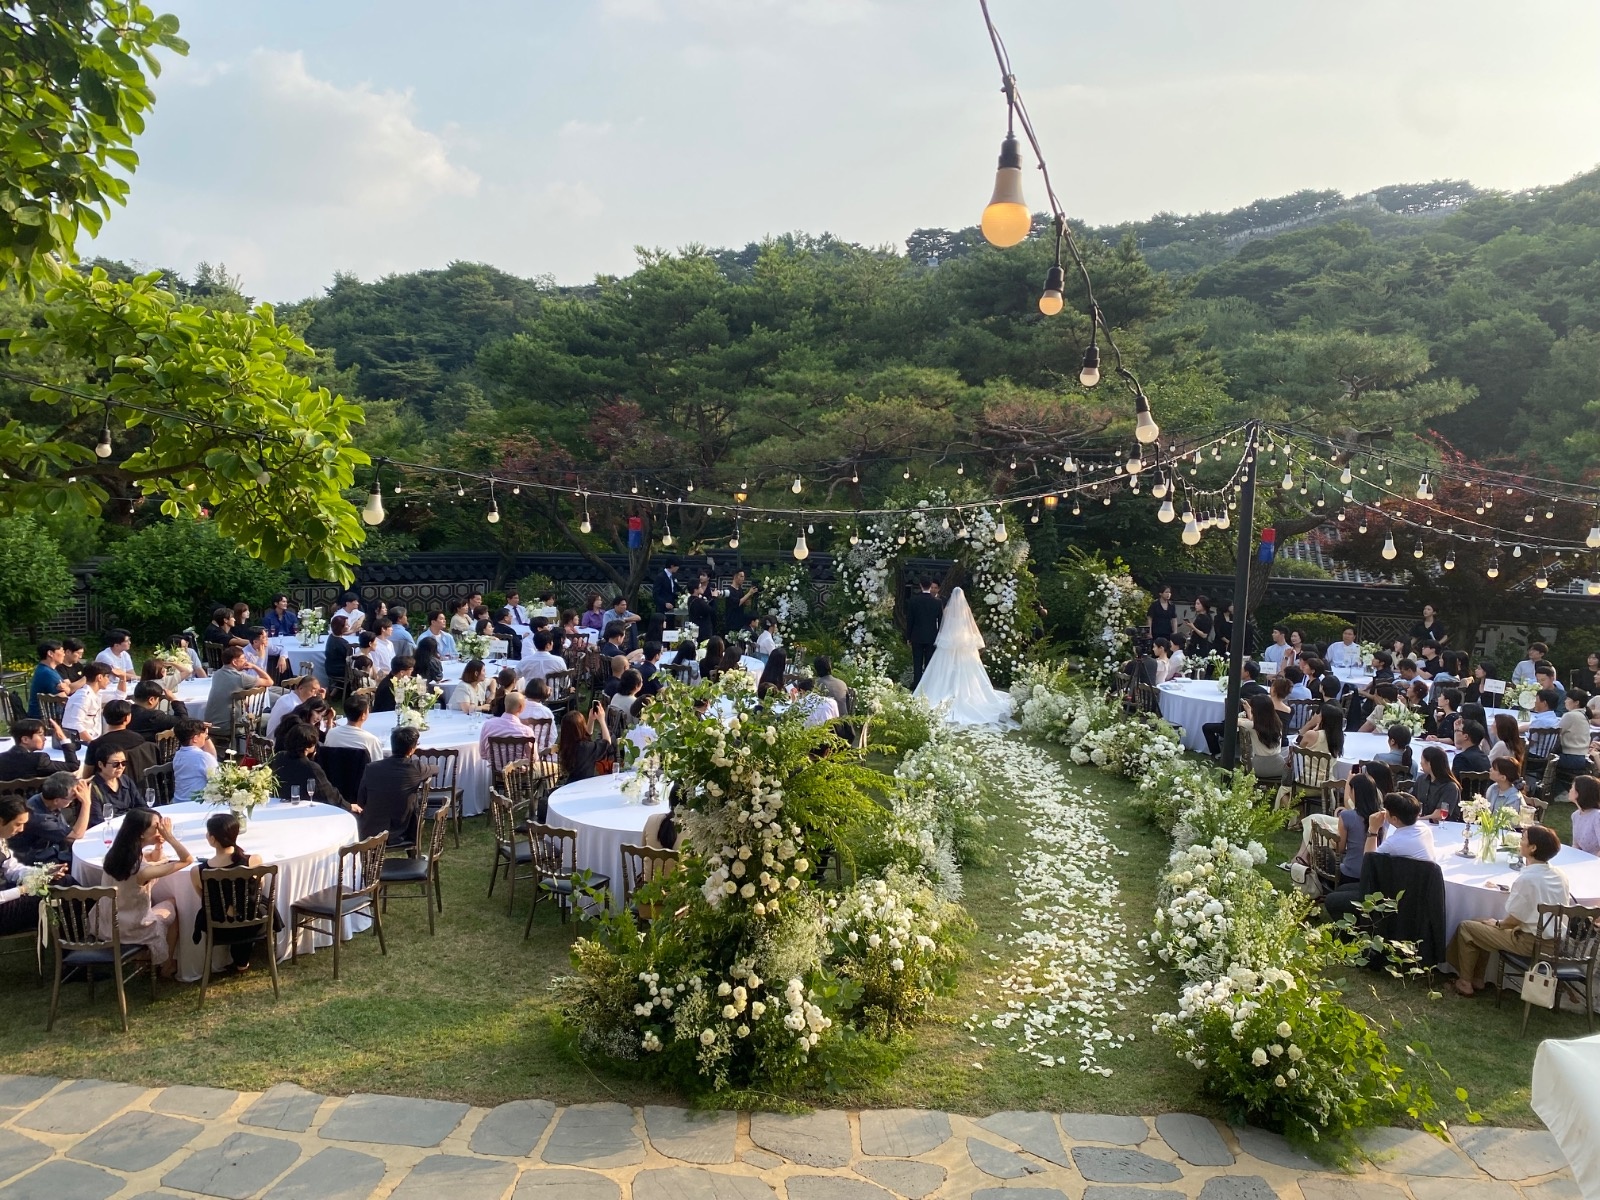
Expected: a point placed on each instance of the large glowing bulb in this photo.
(801, 550)
(372, 514)
(1165, 513)
(1191, 532)
(1006, 220)
(1593, 540)
(1052, 301)
(1389, 550)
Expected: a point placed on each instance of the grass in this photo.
(465, 1015)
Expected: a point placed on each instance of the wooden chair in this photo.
(238, 905)
(1325, 855)
(1543, 745)
(562, 685)
(528, 785)
(444, 788)
(1558, 778)
(1568, 938)
(360, 875)
(52, 708)
(642, 865)
(1146, 699)
(555, 864)
(23, 788)
(503, 751)
(507, 816)
(1311, 776)
(1300, 711)
(212, 653)
(159, 779)
(367, 691)
(419, 869)
(166, 744)
(12, 709)
(1473, 783)
(75, 932)
(683, 672)
(259, 747)
(249, 708)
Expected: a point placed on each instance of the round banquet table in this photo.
(449, 731)
(303, 839)
(1191, 703)
(1469, 891)
(605, 821)
(1364, 747)
(313, 657)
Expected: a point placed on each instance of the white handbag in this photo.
(1539, 985)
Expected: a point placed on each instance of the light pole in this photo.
(1241, 596)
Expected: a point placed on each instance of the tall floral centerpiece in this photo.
(1388, 715)
(1492, 825)
(239, 788)
(413, 698)
(313, 626)
(474, 645)
(1522, 696)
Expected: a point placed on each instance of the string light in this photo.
(742, 492)
(1389, 551)
(733, 542)
(801, 550)
(1450, 559)
(1344, 475)
(1000, 531)
(1422, 488)
(1191, 531)
(1165, 513)
(493, 515)
(1006, 219)
(1416, 550)
(1493, 571)
(1051, 301)
(796, 485)
(1160, 488)
(102, 448)
(587, 526)
(1089, 373)
(1541, 579)
(372, 512)
(1593, 540)
(1516, 551)
(666, 534)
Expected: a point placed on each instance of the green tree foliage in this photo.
(172, 574)
(74, 95)
(35, 583)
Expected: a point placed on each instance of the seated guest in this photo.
(1403, 836)
(111, 792)
(296, 769)
(1263, 728)
(444, 640)
(227, 682)
(1468, 756)
(1585, 794)
(1323, 731)
(1436, 788)
(1544, 676)
(771, 681)
(1505, 786)
(509, 724)
(1572, 746)
(650, 668)
(352, 733)
(72, 664)
(818, 708)
(1168, 659)
(504, 684)
(116, 655)
(18, 913)
(1279, 648)
(427, 663)
(268, 667)
(1399, 752)
(383, 700)
(1546, 711)
(461, 616)
(400, 631)
(46, 679)
(1537, 883)
(629, 686)
(51, 830)
(686, 660)
(316, 714)
(541, 661)
(220, 631)
(1508, 739)
(538, 709)
(1524, 671)
(583, 742)
(27, 759)
(141, 920)
(148, 719)
(83, 716)
(388, 800)
(307, 689)
(358, 674)
(336, 651)
(1345, 654)
(1383, 694)
(517, 612)
(222, 834)
(117, 735)
(1249, 685)
(278, 620)
(350, 609)
(381, 649)
(195, 760)
(471, 693)
(501, 628)
(1297, 683)
(1444, 722)
(1361, 801)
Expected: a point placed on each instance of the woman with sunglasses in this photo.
(111, 792)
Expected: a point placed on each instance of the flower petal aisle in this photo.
(1073, 961)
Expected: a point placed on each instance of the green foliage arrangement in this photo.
(1320, 630)
(35, 583)
(170, 575)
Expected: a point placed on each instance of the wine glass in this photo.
(311, 791)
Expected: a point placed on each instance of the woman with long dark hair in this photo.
(133, 871)
(472, 693)
(686, 656)
(1436, 787)
(577, 747)
(716, 651)
(1508, 739)
(504, 682)
(1265, 728)
(1361, 799)
(222, 834)
(772, 674)
(1398, 755)
(429, 666)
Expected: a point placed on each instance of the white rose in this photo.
(707, 1037)
(1283, 1029)
(1259, 1058)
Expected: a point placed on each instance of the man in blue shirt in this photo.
(1546, 711)
(1297, 683)
(1280, 646)
(278, 621)
(400, 632)
(46, 679)
(48, 836)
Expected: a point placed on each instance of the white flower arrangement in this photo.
(1399, 713)
(785, 593)
(239, 788)
(471, 645)
(1522, 696)
(313, 626)
(1210, 666)
(413, 697)
(35, 881)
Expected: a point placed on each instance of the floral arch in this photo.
(987, 544)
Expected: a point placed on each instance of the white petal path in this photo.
(1073, 961)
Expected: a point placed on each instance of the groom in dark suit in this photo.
(923, 614)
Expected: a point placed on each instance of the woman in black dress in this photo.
(1162, 615)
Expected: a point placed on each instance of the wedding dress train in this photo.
(956, 677)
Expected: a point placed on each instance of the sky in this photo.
(301, 138)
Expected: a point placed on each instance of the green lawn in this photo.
(463, 1015)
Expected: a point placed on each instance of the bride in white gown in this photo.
(956, 678)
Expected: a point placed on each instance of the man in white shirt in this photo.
(195, 760)
(818, 708)
(382, 649)
(514, 605)
(539, 662)
(82, 715)
(308, 689)
(1537, 883)
(1526, 670)
(116, 655)
(1406, 838)
(1345, 654)
(1280, 646)
(352, 734)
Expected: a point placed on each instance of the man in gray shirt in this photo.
(227, 681)
(829, 685)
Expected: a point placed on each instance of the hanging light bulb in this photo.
(743, 492)
(1135, 462)
(1592, 586)
(102, 448)
(1066, 465)
(1550, 512)
(1165, 513)
(1089, 373)
(1051, 302)
(1389, 550)
(493, 515)
(855, 475)
(1344, 475)
(666, 535)
(1541, 580)
(1422, 487)
(1188, 511)
(1191, 532)
(1050, 501)
(796, 485)
(906, 474)
(1160, 488)
(1006, 220)
(587, 526)
(372, 513)
(1450, 559)
(801, 550)
(1593, 540)
(1527, 517)
(461, 489)
(1416, 550)
(1076, 508)
(1000, 531)
(1288, 480)
(733, 542)
(1106, 500)
(1388, 476)
(1493, 571)
(1223, 519)
(1145, 429)
(1516, 551)
(1033, 517)
(855, 538)
(1322, 497)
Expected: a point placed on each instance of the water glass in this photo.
(294, 794)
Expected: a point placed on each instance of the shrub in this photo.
(35, 583)
(172, 574)
(1320, 630)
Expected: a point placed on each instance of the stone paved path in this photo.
(90, 1140)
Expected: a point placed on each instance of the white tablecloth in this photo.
(302, 839)
(301, 658)
(1567, 1100)
(1469, 891)
(1364, 747)
(1191, 703)
(193, 692)
(605, 821)
(446, 731)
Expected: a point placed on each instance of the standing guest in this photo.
(1468, 756)
(227, 682)
(1524, 671)
(279, 620)
(583, 742)
(353, 733)
(1437, 789)
(1585, 794)
(1361, 801)
(27, 759)
(924, 615)
(702, 614)
(1428, 629)
(82, 717)
(46, 679)
(294, 767)
(350, 609)
(1403, 837)
(116, 655)
(1505, 785)
(148, 717)
(1222, 639)
(195, 761)
(49, 834)
(133, 864)
(387, 800)
(1345, 654)
(18, 913)
(1162, 615)
(736, 605)
(1201, 629)
(664, 587)
(1537, 883)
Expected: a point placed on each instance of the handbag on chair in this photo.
(1539, 985)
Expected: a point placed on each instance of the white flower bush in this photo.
(892, 940)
